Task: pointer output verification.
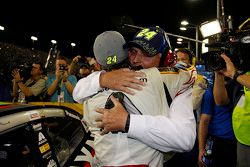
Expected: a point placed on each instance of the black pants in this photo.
(185, 159)
(224, 153)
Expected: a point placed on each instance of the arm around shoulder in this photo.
(176, 132)
(86, 87)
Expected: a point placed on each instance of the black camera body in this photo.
(82, 60)
(63, 67)
(236, 45)
(24, 71)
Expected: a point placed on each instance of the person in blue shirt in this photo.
(60, 85)
(216, 123)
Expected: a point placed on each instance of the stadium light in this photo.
(1, 28)
(33, 38)
(184, 22)
(53, 41)
(179, 39)
(185, 25)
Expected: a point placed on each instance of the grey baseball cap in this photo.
(108, 49)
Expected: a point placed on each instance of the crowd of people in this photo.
(146, 105)
(28, 79)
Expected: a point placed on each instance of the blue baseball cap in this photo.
(152, 40)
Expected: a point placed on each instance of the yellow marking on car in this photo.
(44, 148)
(169, 72)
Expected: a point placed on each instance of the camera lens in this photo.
(213, 61)
(62, 67)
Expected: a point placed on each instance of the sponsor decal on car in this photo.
(33, 115)
(72, 115)
(44, 148)
(52, 163)
(37, 127)
(41, 138)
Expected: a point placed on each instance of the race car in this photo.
(44, 135)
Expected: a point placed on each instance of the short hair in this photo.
(62, 58)
(189, 52)
(42, 67)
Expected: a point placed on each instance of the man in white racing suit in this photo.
(119, 149)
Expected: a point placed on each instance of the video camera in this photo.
(235, 44)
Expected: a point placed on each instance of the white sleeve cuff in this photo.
(136, 126)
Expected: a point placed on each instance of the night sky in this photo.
(75, 22)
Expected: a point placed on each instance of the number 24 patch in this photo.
(112, 59)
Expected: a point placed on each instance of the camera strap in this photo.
(60, 93)
(59, 88)
(29, 84)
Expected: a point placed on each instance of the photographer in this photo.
(31, 90)
(60, 85)
(79, 67)
(73, 65)
(239, 95)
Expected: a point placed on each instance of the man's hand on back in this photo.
(122, 80)
(113, 119)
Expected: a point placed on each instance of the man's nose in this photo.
(136, 58)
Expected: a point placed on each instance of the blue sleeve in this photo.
(49, 81)
(72, 79)
(207, 104)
